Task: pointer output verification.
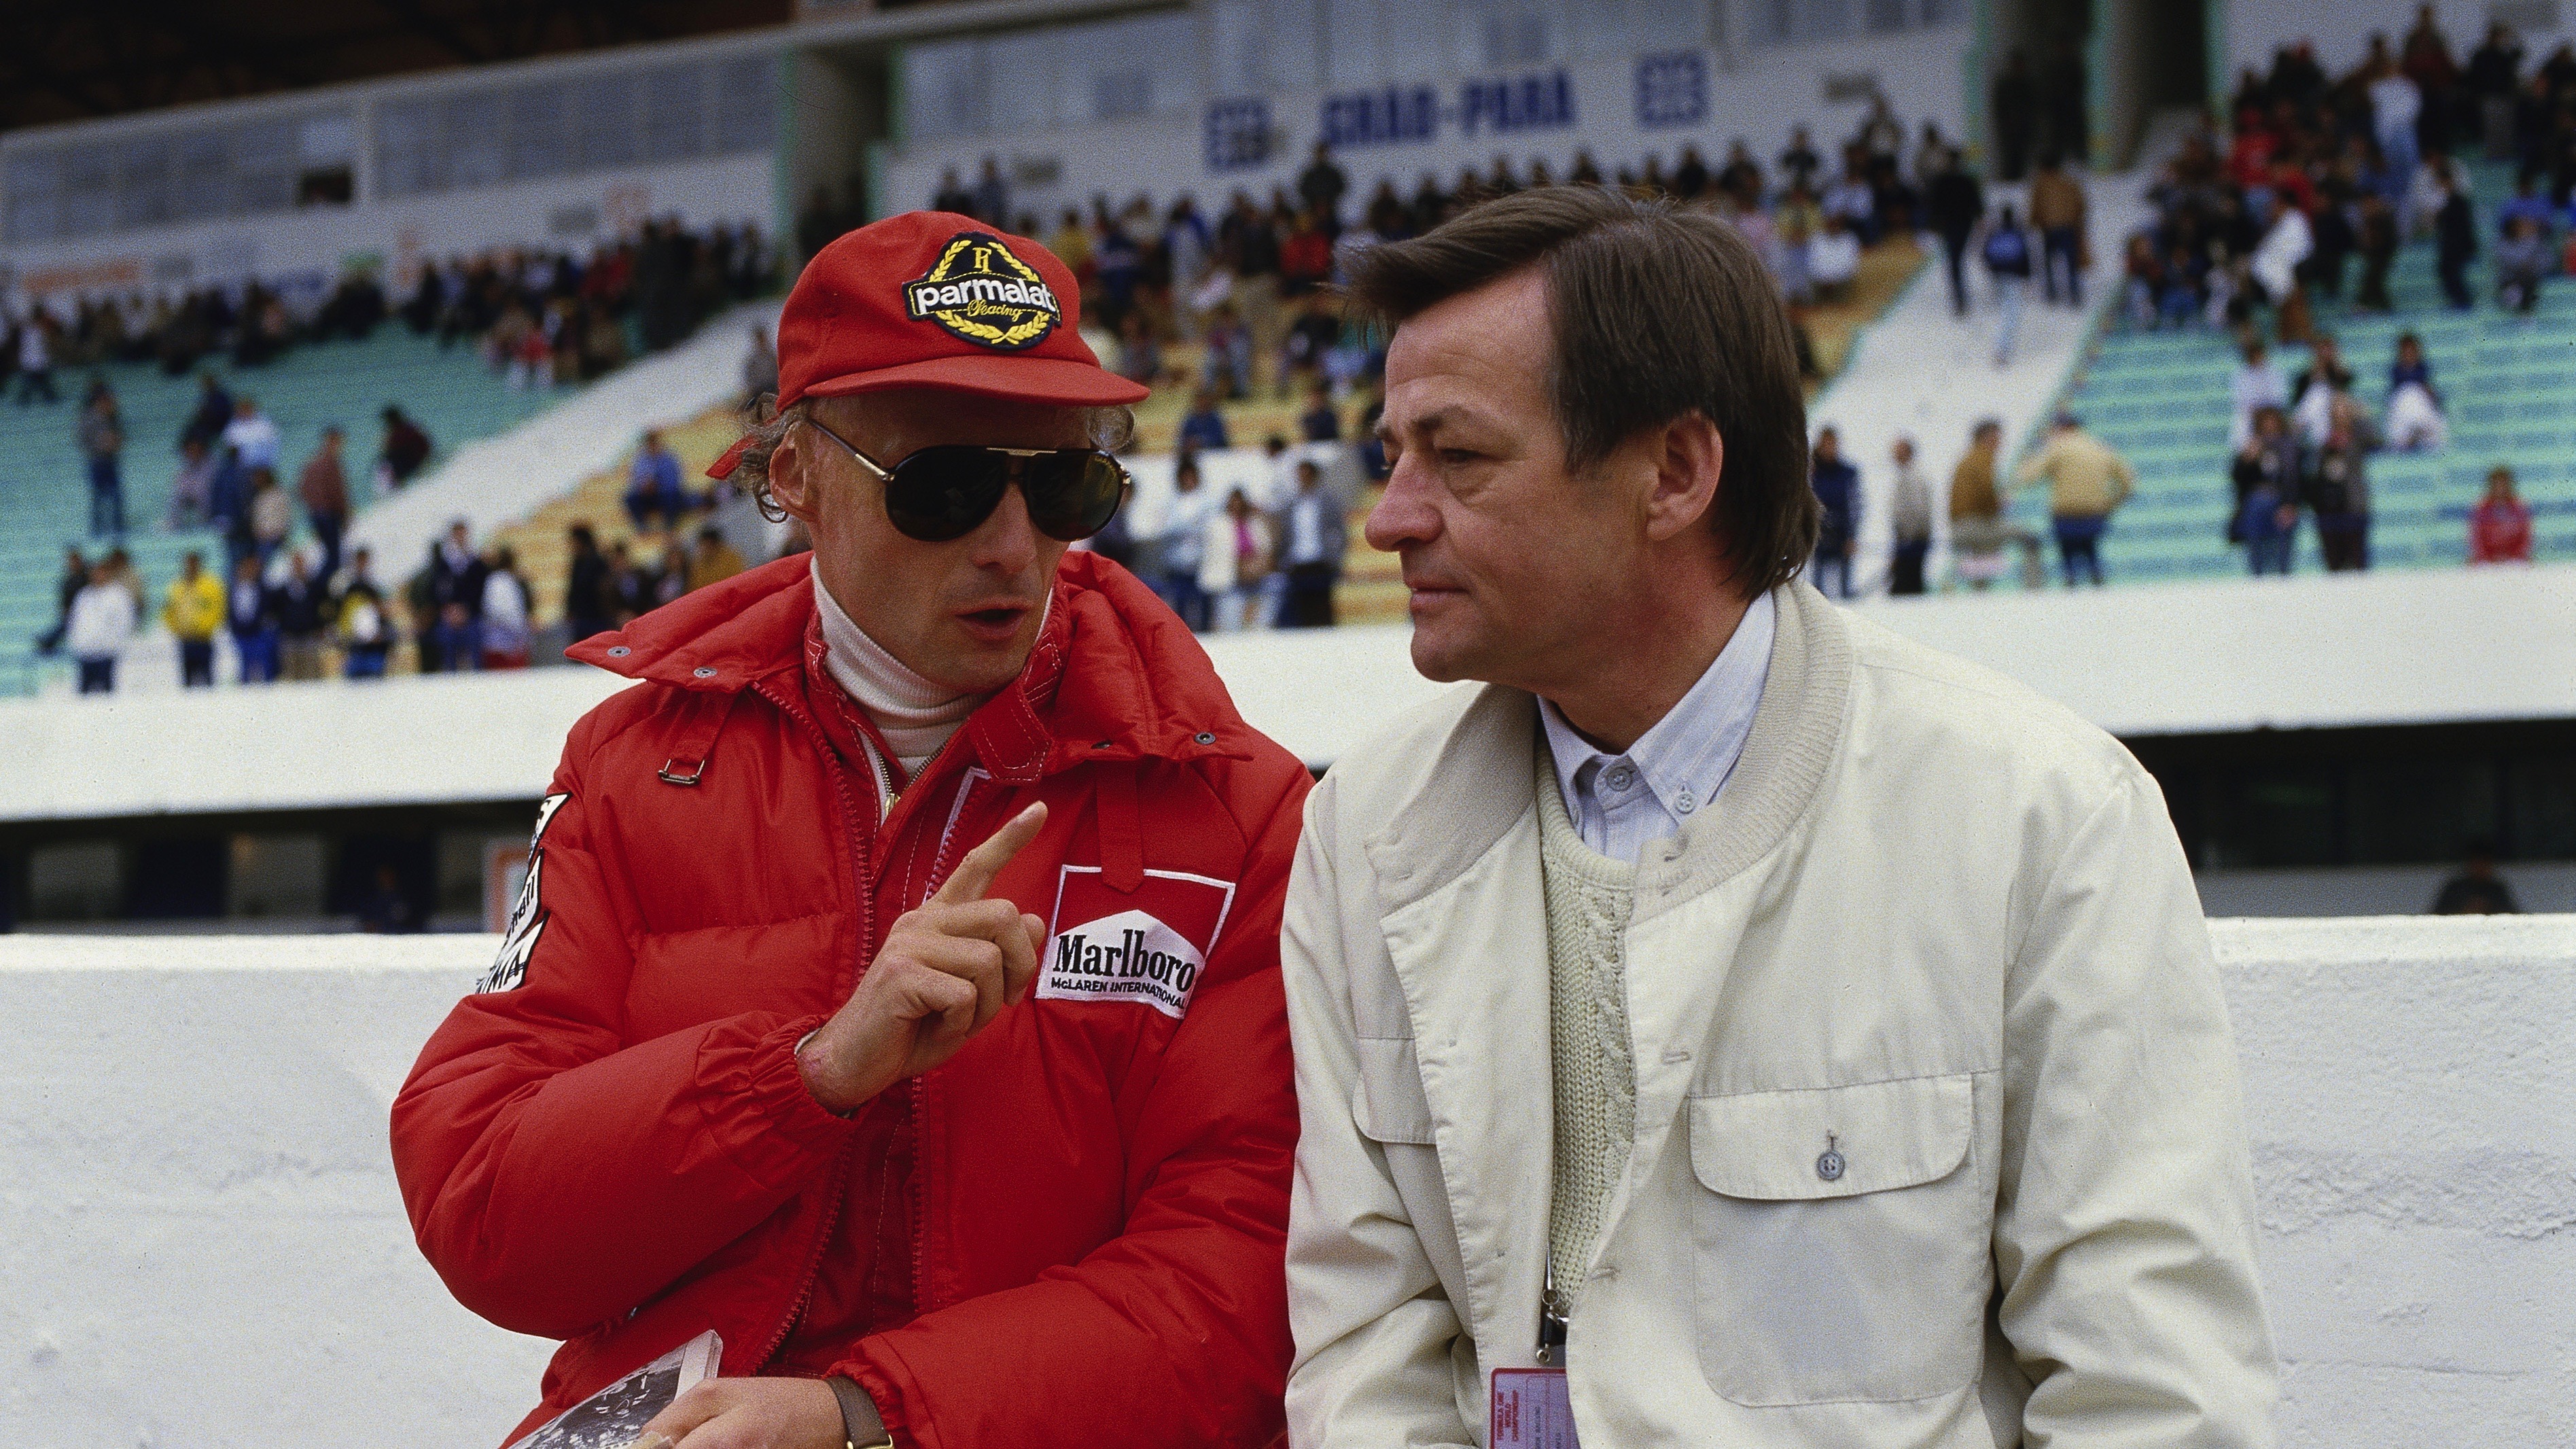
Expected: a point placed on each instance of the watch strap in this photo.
(861, 1425)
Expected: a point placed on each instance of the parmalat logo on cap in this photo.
(981, 291)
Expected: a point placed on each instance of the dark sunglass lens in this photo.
(1073, 494)
(943, 493)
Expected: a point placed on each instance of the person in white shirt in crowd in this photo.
(2415, 420)
(36, 356)
(506, 622)
(252, 435)
(2395, 102)
(2315, 390)
(1183, 545)
(1733, 1023)
(102, 620)
(272, 516)
(2288, 242)
(1234, 559)
(1833, 259)
(1851, 199)
(1910, 514)
(2256, 384)
(1313, 538)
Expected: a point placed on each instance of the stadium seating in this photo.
(44, 495)
(2161, 398)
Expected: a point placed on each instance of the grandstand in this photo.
(2161, 399)
(44, 495)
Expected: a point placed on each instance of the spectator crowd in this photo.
(538, 316)
(2323, 178)
(588, 314)
(300, 617)
(1249, 283)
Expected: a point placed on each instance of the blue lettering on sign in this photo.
(1238, 134)
(1382, 117)
(1672, 88)
(1539, 102)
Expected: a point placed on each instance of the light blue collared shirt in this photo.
(1622, 804)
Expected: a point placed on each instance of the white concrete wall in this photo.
(2436, 646)
(202, 1242)
(2408, 1085)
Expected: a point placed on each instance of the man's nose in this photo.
(1403, 514)
(1008, 541)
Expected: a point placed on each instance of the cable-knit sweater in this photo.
(1588, 898)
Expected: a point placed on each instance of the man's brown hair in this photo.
(1656, 314)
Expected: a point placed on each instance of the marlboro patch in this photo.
(1146, 946)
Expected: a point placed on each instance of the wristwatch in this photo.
(861, 1425)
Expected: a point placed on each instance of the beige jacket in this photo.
(2085, 478)
(1933, 924)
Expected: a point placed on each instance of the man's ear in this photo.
(791, 478)
(1688, 455)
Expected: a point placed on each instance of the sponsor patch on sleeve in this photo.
(1147, 946)
(528, 914)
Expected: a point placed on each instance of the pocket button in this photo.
(1829, 1166)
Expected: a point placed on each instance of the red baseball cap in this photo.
(934, 299)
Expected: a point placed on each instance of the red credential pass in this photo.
(1531, 1410)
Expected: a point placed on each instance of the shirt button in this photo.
(1686, 802)
(1620, 777)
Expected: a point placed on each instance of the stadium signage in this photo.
(1672, 89)
(979, 290)
(1513, 104)
(1238, 134)
(1382, 117)
(1483, 106)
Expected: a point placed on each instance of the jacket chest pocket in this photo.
(1841, 1241)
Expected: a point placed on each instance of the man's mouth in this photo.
(994, 622)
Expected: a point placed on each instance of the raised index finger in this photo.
(974, 875)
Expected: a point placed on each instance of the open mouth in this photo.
(998, 622)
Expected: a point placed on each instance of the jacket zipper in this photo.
(948, 832)
(813, 1270)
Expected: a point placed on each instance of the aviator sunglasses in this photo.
(946, 491)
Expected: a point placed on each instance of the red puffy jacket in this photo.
(1071, 1230)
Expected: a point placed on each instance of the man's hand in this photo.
(750, 1414)
(946, 970)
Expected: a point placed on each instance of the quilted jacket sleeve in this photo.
(1175, 1332)
(557, 1173)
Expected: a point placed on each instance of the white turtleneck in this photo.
(915, 715)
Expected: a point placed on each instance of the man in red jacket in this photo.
(955, 1144)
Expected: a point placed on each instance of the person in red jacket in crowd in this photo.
(954, 1143)
(2500, 526)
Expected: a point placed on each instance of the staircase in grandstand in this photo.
(2509, 382)
(44, 492)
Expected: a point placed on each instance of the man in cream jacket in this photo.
(1728, 1024)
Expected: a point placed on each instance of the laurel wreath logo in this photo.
(981, 291)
